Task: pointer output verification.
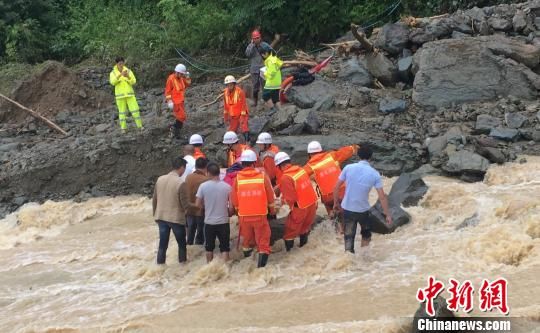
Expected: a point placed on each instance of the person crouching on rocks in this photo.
(175, 88)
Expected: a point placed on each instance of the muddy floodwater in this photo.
(90, 266)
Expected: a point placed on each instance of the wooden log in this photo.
(361, 37)
(36, 115)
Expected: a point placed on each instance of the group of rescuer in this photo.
(195, 201)
(251, 185)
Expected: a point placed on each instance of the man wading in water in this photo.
(359, 179)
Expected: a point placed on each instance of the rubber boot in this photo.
(303, 239)
(182, 255)
(247, 253)
(161, 255)
(246, 137)
(255, 99)
(263, 259)
(289, 244)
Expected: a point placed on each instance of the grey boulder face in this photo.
(485, 123)
(506, 134)
(355, 72)
(407, 191)
(467, 162)
(392, 105)
(393, 38)
(515, 120)
(455, 71)
(318, 94)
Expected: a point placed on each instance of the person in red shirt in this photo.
(175, 87)
(298, 193)
(253, 199)
(197, 141)
(267, 152)
(236, 112)
(325, 168)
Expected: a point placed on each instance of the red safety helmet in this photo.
(256, 34)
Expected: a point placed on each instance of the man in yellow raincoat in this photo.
(123, 79)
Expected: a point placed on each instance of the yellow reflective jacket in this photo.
(273, 72)
(123, 86)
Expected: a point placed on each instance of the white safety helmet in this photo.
(281, 157)
(314, 147)
(180, 68)
(196, 139)
(230, 138)
(264, 138)
(248, 155)
(229, 79)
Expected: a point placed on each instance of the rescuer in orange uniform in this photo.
(298, 193)
(197, 141)
(326, 167)
(253, 199)
(174, 94)
(235, 108)
(234, 147)
(267, 152)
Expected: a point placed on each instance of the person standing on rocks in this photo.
(197, 141)
(168, 211)
(256, 62)
(213, 197)
(194, 214)
(234, 147)
(298, 193)
(272, 75)
(253, 199)
(267, 152)
(326, 167)
(175, 88)
(235, 109)
(359, 179)
(123, 79)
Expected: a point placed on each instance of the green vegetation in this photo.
(148, 30)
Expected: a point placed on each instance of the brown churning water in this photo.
(89, 267)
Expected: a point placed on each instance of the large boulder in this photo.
(382, 68)
(514, 120)
(464, 161)
(407, 191)
(317, 92)
(485, 123)
(404, 68)
(392, 105)
(506, 134)
(309, 121)
(454, 71)
(283, 117)
(393, 38)
(355, 72)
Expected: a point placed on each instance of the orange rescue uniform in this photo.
(236, 111)
(298, 193)
(234, 154)
(326, 167)
(267, 160)
(174, 90)
(253, 198)
(198, 153)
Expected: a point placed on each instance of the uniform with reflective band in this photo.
(235, 103)
(198, 153)
(252, 200)
(326, 170)
(125, 96)
(174, 91)
(306, 195)
(234, 155)
(267, 161)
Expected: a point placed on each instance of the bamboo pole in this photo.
(36, 115)
(243, 78)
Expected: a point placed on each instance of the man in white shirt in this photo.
(189, 150)
(359, 179)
